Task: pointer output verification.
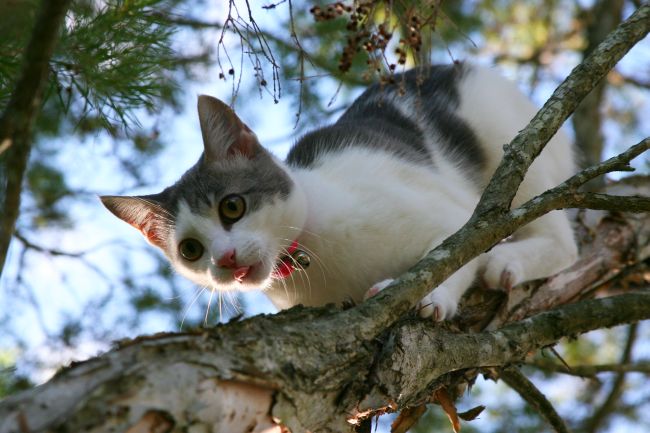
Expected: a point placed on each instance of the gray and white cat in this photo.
(364, 198)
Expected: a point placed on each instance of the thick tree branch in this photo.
(20, 114)
(403, 372)
(189, 368)
(615, 243)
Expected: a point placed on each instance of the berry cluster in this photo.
(365, 34)
(331, 11)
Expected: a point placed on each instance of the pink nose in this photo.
(227, 260)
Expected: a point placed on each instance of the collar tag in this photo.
(293, 260)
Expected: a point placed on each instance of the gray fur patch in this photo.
(259, 180)
(377, 120)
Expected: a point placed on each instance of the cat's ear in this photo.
(142, 212)
(224, 134)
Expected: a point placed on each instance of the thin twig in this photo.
(566, 195)
(592, 370)
(50, 251)
(534, 397)
(595, 422)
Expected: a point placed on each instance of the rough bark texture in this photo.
(328, 369)
(302, 368)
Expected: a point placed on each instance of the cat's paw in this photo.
(504, 268)
(377, 287)
(439, 305)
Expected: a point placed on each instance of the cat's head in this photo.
(229, 218)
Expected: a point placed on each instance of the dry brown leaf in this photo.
(471, 414)
(407, 419)
(442, 396)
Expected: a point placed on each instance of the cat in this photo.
(357, 203)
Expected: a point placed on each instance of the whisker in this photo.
(207, 311)
(313, 254)
(282, 280)
(298, 229)
(198, 293)
(230, 300)
(321, 264)
(301, 272)
(219, 299)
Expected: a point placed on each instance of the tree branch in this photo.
(534, 397)
(592, 370)
(528, 144)
(403, 373)
(489, 224)
(191, 369)
(600, 19)
(320, 62)
(604, 411)
(616, 163)
(566, 195)
(49, 251)
(20, 114)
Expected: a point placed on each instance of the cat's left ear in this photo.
(142, 212)
(224, 134)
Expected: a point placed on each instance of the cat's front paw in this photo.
(377, 287)
(504, 269)
(438, 305)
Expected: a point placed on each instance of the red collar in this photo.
(285, 265)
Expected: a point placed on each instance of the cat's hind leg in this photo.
(538, 250)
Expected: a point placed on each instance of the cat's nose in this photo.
(227, 260)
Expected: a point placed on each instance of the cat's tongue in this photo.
(240, 273)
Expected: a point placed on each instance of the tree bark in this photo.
(302, 369)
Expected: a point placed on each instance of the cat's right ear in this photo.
(143, 213)
(224, 134)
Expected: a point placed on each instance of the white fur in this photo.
(372, 216)
(257, 238)
(546, 245)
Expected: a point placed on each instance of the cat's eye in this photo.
(231, 208)
(190, 249)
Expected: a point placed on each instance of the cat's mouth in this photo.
(241, 276)
(241, 273)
